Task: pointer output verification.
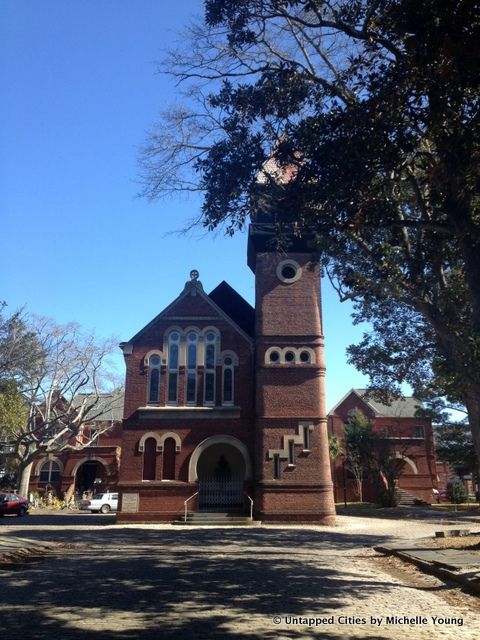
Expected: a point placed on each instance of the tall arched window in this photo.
(227, 380)
(210, 361)
(173, 358)
(150, 459)
(191, 372)
(154, 379)
(169, 448)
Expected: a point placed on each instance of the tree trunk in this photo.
(25, 473)
(360, 489)
(472, 403)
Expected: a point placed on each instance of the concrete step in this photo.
(200, 518)
(409, 500)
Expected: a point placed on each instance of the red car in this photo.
(10, 503)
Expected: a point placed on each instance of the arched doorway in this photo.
(90, 477)
(220, 464)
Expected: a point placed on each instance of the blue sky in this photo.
(80, 90)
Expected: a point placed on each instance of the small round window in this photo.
(274, 356)
(210, 336)
(228, 361)
(304, 356)
(154, 361)
(192, 337)
(289, 356)
(289, 271)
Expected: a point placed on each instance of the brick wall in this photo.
(419, 474)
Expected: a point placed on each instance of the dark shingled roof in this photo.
(232, 303)
(399, 408)
(109, 406)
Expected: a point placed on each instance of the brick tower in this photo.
(293, 478)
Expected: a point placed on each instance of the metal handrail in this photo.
(251, 505)
(185, 504)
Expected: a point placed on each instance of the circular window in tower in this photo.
(290, 356)
(304, 357)
(289, 271)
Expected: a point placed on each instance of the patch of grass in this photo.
(464, 506)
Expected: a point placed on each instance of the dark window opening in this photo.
(209, 387)
(276, 467)
(306, 438)
(191, 387)
(154, 385)
(210, 357)
(169, 452)
(291, 452)
(228, 385)
(150, 459)
(172, 387)
(288, 272)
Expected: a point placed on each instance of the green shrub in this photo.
(389, 498)
(456, 491)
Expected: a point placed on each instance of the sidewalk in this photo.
(458, 565)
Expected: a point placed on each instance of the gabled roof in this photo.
(194, 288)
(234, 306)
(399, 408)
(108, 406)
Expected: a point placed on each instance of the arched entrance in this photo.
(220, 464)
(90, 476)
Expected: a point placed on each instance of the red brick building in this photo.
(411, 439)
(92, 468)
(226, 403)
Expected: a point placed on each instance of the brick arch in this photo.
(409, 461)
(91, 459)
(153, 352)
(175, 436)
(228, 353)
(144, 438)
(219, 439)
(48, 458)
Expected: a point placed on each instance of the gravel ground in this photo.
(150, 582)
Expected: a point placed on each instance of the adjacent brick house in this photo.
(410, 437)
(224, 401)
(92, 468)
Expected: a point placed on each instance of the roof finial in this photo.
(194, 275)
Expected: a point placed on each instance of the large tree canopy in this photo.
(356, 121)
(52, 383)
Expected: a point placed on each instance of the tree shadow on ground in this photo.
(150, 584)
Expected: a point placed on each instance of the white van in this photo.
(103, 502)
